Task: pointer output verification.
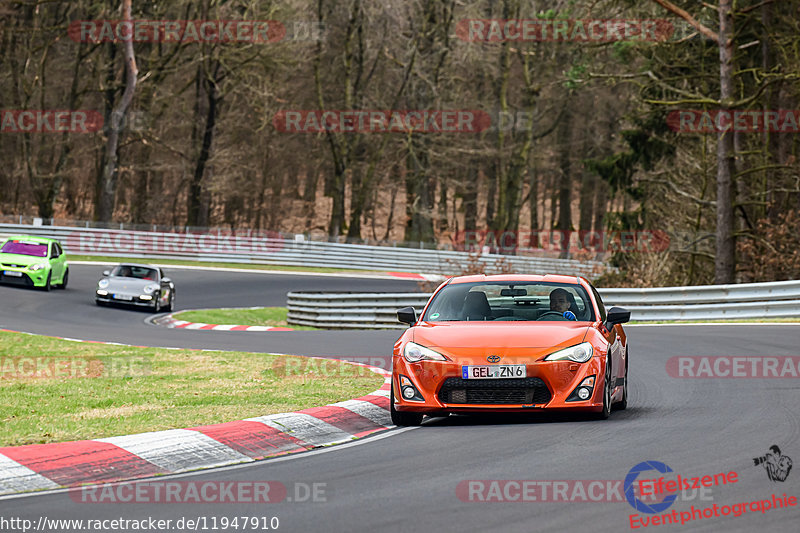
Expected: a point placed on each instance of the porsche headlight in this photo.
(414, 352)
(37, 266)
(580, 353)
(102, 284)
(150, 289)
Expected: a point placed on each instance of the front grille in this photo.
(10, 265)
(13, 280)
(494, 391)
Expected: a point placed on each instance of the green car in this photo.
(33, 262)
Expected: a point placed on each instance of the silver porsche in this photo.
(137, 285)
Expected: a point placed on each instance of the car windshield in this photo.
(510, 301)
(25, 248)
(137, 272)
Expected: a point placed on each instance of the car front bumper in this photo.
(24, 277)
(134, 299)
(547, 385)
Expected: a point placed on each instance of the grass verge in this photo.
(261, 316)
(54, 390)
(248, 266)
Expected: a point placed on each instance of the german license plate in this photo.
(12, 273)
(123, 297)
(493, 371)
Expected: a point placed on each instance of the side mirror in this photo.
(166, 280)
(617, 315)
(106, 273)
(407, 315)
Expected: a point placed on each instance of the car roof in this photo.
(30, 238)
(140, 265)
(554, 278)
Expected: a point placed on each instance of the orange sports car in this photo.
(510, 343)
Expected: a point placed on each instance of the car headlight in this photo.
(150, 289)
(102, 284)
(413, 352)
(580, 353)
(37, 266)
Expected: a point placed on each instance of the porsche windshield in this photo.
(137, 272)
(511, 301)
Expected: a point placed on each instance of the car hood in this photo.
(19, 259)
(488, 336)
(128, 284)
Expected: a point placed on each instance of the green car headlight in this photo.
(38, 266)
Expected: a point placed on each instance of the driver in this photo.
(559, 301)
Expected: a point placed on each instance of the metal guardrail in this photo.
(255, 247)
(707, 302)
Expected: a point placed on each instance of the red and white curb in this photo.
(67, 464)
(170, 321)
(420, 277)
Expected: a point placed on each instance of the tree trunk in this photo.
(206, 109)
(725, 259)
(564, 141)
(108, 179)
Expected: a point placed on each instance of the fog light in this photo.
(408, 392)
(145, 297)
(102, 292)
(583, 392)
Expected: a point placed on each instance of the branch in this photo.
(680, 192)
(675, 10)
(747, 10)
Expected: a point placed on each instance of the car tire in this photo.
(63, 284)
(623, 403)
(157, 303)
(171, 303)
(400, 418)
(47, 285)
(606, 411)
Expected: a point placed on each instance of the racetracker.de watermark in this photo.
(739, 120)
(334, 366)
(50, 121)
(727, 366)
(560, 490)
(186, 31)
(202, 492)
(382, 121)
(546, 30)
(21, 368)
(643, 241)
(141, 242)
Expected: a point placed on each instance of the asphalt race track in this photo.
(419, 479)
